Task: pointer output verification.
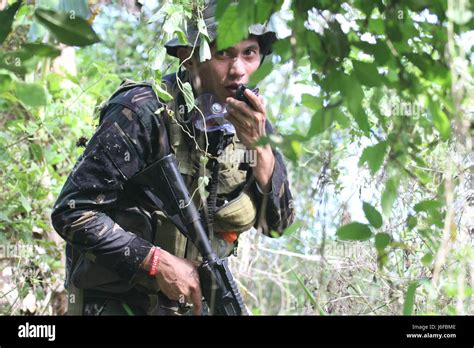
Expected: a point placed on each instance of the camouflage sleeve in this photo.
(277, 205)
(84, 209)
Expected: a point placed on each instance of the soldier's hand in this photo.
(178, 279)
(249, 122)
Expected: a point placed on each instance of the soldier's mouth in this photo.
(232, 88)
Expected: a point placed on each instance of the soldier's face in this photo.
(228, 68)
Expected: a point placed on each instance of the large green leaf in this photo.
(263, 9)
(354, 231)
(31, 94)
(233, 27)
(70, 30)
(374, 156)
(6, 20)
(263, 71)
(372, 215)
(367, 73)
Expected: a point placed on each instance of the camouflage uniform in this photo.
(109, 229)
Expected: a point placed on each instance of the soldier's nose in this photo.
(237, 69)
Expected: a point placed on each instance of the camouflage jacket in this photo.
(95, 205)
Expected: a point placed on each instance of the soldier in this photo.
(123, 255)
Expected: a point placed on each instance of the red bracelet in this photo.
(154, 262)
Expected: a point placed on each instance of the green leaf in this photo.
(367, 73)
(310, 296)
(203, 181)
(31, 94)
(342, 119)
(204, 51)
(221, 7)
(392, 29)
(310, 101)
(379, 50)
(161, 92)
(158, 57)
(263, 9)
(233, 27)
(182, 38)
(354, 94)
(440, 120)
(5, 82)
(41, 49)
(274, 234)
(70, 30)
(389, 195)
(3, 217)
(427, 259)
(291, 149)
(263, 71)
(412, 222)
(336, 41)
(25, 203)
(372, 215)
(376, 26)
(292, 228)
(283, 49)
(128, 309)
(6, 18)
(354, 231)
(36, 151)
(381, 241)
(410, 298)
(297, 148)
(374, 156)
(188, 96)
(201, 24)
(320, 121)
(428, 205)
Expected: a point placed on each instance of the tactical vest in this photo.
(238, 212)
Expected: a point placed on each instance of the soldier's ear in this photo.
(184, 53)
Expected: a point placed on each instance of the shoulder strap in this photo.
(125, 85)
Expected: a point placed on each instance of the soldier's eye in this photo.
(221, 53)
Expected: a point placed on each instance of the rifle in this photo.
(163, 184)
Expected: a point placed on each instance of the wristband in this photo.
(154, 262)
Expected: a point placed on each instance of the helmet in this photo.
(265, 36)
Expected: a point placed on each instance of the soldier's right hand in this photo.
(178, 279)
